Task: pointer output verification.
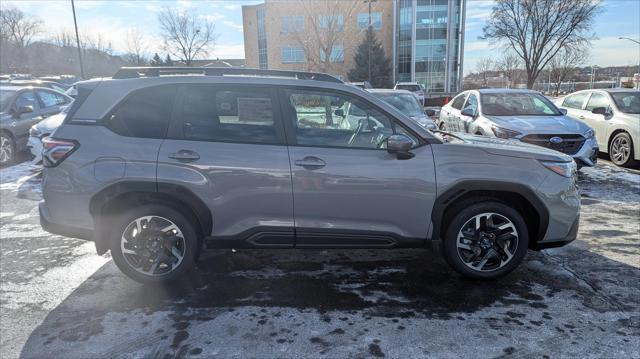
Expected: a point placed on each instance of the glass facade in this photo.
(428, 43)
(262, 38)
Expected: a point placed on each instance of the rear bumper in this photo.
(62, 229)
(559, 242)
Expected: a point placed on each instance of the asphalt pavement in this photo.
(58, 299)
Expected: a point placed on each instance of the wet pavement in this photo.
(59, 299)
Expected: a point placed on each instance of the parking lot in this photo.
(60, 299)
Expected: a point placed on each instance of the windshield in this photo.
(409, 87)
(5, 98)
(627, 102)
(406, 103)
(520, 104)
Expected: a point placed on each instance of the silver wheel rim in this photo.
(153, 245)
(6, 151)
(620, 149)
(487, 242)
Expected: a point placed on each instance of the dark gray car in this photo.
(21, 108)
(157, 168)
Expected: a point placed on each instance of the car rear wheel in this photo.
(486, 240)
(153, 243)
(621, 149)
(7, 149)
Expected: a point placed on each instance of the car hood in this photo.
(513, 148)
(540, 124)
(49, 124)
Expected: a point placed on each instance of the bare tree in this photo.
(186, 36)
(509, 65)
(17, 28)
(565, 63)
(323, 31)
(484, 66)
(136, 46)
(538, 29)
(64, 38)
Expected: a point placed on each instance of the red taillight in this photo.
(55, 150)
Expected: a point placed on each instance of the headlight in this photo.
(34, 132)
(565, 169)
(503, 132)
(590, 133)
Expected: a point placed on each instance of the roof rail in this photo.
(138, 72)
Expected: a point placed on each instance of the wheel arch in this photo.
(122, 195)
(616, 132)
(520, 197)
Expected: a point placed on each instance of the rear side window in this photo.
(228, 115)
(575, 101)
(50, 99)
(145, 113)
(458, 101)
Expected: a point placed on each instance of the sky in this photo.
(112, 19)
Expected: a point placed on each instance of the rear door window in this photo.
(145, 113)
(50, 98)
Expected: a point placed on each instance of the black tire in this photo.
(120, 222)
(8, 148)
(613, 153)
(468, 212)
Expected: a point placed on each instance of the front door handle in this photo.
(310, 163)
(185, 156)
(581, 117)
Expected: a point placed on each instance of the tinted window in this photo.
(627, 102)
(215, 114)
(335, 120)
(597, 100)
(458, 101)
(575, 101)
(27, 99)
(50, 99)
(412, 88)
(145, 113)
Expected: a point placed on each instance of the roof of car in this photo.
(503, 90)
(390, 91)
(619, 90)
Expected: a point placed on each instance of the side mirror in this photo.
(400, 145)
(22, 110)
(600, 111)
(430, 112)
(339, 112)
(563, 111)
(468, 112)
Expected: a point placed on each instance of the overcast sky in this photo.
(112, 18)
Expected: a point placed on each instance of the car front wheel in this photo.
(153, 243)
(486, 240)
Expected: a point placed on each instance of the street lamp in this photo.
(637, 42)
(368, 43)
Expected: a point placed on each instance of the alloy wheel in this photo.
(487, 242)
(620, 149)
(6, 150)
(153, 245)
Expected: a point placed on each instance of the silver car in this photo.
(615, 116)
(523, 115)
(406, 102)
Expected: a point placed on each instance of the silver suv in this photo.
(158, 164)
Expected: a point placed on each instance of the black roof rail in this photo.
(137, 72)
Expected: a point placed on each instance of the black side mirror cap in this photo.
(400, 145)
(600, 111)
(563, 111)
(22, 110)
(468, 112)
(430, 112)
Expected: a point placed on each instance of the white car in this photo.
(614, 114)
(41, 130)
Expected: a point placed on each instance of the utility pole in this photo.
(369, 28)
(75, 24)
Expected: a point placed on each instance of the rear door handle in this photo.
(185, 156)
(310, 163)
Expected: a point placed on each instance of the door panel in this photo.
(599, 123)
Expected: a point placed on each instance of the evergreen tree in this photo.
(156, 60)
(380, 63)
(168, 61)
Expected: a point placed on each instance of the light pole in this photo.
(75, 24)
(637, 42)
(368, 42)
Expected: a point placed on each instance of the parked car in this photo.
(21, 108)
(522, 115)
(414, 87)
(406, 102)
(157, 165)
(41, 130)
(38, 83)
(362, 84)
(614, 114)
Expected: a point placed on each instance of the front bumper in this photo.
(588, 153)
(559, 242)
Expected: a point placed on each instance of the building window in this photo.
(376, 20)
(262, 39)
(292, 24)
(333, 22)
(337, 54)
(292, 55)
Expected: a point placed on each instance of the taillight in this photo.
(55, 150)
